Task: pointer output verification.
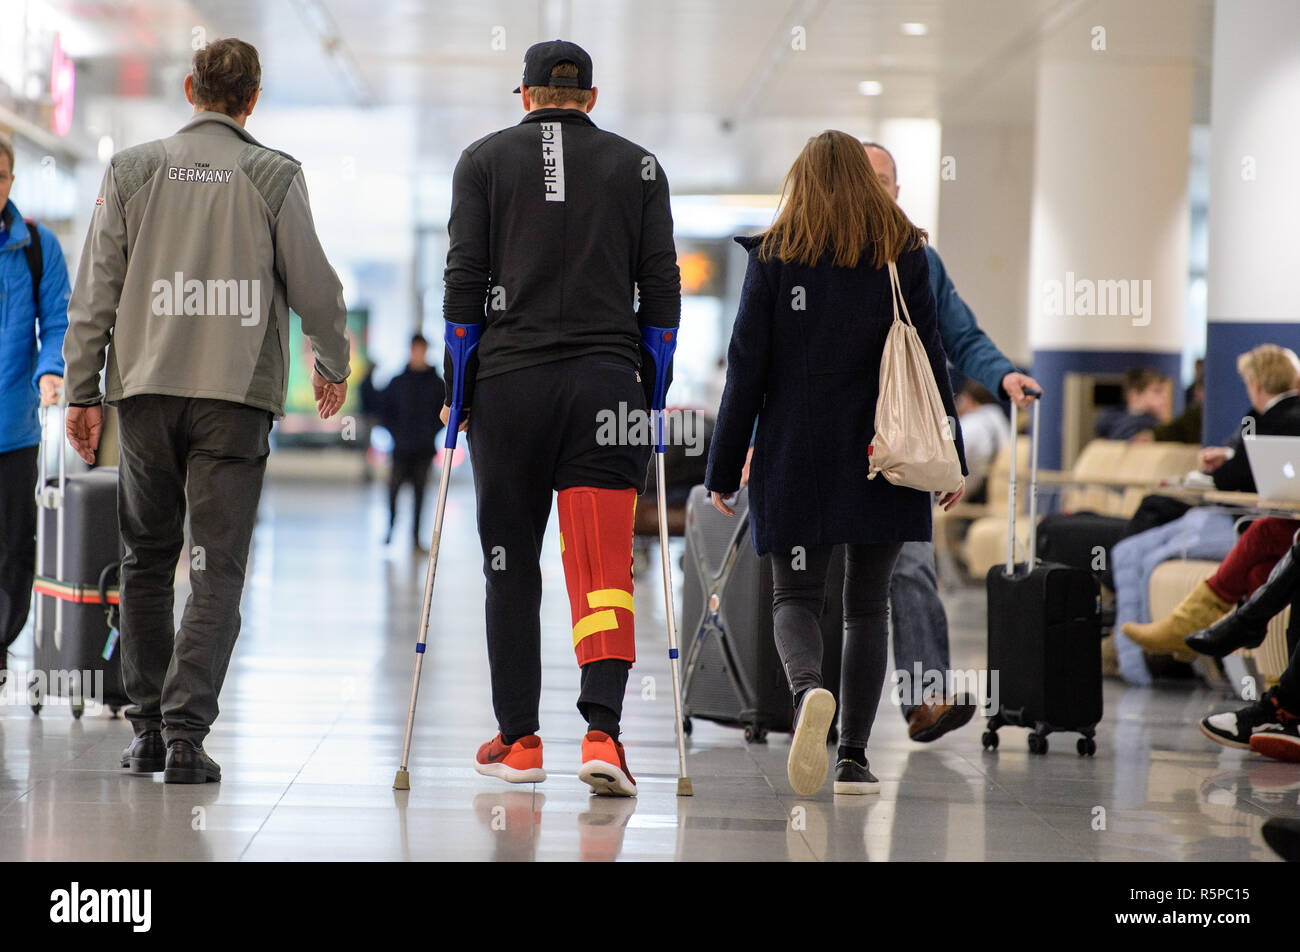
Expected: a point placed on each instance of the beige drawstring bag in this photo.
(914, 445)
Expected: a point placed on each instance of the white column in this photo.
(1254, 253)
(1108, 234)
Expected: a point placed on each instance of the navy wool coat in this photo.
(810, 375)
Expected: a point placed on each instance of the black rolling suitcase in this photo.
(78, 553)
(731, 672)
(1044, 628)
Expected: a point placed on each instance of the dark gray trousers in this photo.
(211, 454)
(798, 598)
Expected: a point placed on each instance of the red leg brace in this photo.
(596, 547)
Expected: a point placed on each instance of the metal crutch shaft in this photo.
(461, 340)
(661, 342)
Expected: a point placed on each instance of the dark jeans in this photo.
(211, 454)
(798, 597)
(533, 432)
(410, 468)
(17, 540)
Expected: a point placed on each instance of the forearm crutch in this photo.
(461, 339)
(661, 342)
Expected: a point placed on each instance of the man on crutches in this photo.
(556, 229)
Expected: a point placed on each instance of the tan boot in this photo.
(1200, 609)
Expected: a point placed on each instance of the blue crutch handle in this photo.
(460, 340)
(662, 343)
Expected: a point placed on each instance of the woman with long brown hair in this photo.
(804, 361)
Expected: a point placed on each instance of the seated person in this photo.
(1247, 567)
(985, 430)
(1271, 725)
(1186, 427)
(1269, 373)
(1075, 538)
(1148, 399)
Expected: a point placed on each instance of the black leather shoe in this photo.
(146, 753)
(187, 763)
(1283, 835)
(1248, 625)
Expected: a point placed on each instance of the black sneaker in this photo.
(854, 778)
(145, 753)
(187, 763)
(1233, 728)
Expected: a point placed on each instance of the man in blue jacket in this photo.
(920, 623)
(33, 307)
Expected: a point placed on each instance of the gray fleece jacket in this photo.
(198, 247)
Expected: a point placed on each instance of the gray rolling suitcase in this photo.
(731, 673)
(78, 554)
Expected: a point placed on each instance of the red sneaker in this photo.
(604, 767)
(520, 762)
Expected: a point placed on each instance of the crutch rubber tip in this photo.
(402, 781)
(684, 787)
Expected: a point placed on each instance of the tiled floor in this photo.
(315, 703)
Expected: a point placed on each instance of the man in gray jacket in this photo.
(199, 245)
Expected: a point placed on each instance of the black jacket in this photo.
(811, 377)
(555, 228)
(1282, 419)
(408, 408)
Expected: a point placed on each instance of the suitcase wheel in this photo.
(990, 740)
(755, 735)
(78, 708)
(1086, 746)
(1037, 743)
(686, 726)
(34, 694)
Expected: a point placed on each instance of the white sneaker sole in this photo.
(606, 779)
(1221, 740)
(510, 774)
(808, 761)
(856, 788)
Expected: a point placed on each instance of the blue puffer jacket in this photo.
(21, 363)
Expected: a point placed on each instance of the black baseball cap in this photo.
(541, 58)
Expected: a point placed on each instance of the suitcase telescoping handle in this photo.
(1033, 487)
(48, 497)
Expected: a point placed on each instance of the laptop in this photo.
(1275, 464)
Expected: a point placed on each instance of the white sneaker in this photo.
(807, 765)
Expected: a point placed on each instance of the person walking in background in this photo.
(556, 228)
(804, 359)
(920, 624)
(33, 317)
(408, 408)
(198, 247)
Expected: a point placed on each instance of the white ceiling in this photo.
(703, 81)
